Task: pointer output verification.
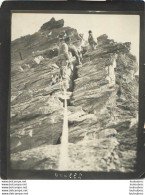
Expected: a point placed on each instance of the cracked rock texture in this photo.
(103, 120)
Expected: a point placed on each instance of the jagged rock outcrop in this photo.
(52, 24)
(102, 118)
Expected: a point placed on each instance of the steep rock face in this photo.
(102, 118)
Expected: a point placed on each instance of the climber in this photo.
(91, 40)
(73, 50)
(63, 56)
(64, 61)
(80, 44)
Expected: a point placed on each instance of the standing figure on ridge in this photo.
(91, 40)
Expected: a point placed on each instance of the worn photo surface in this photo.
(74, 92)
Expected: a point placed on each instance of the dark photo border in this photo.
(135, 8)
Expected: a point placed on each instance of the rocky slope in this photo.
(102, 118)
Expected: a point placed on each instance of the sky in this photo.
(121, 28)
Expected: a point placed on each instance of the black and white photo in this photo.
(74, 92)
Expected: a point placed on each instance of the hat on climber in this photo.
(90, 31)
(62, 34)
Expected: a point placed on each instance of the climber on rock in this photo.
(91, 40)
(64, 60)
(73, 50)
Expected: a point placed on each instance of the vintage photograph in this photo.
(74, 91)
